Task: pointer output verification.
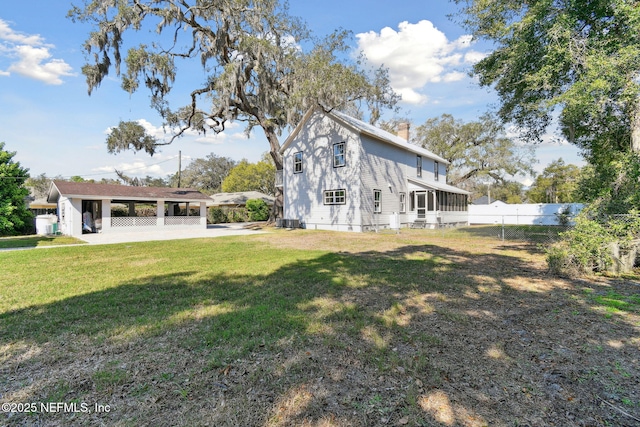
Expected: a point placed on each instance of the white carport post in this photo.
(160, 213)
(76, 217)
(203, 214)
(106, 215)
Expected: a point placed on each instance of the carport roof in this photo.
(123, 192)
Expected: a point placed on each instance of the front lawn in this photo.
(314, 328)
(36, 241)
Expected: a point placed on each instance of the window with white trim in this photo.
(377, 201)
(436, 171)
(403, 202)
(335, 197)
(339, 155)
(419, 166)
(297, 162)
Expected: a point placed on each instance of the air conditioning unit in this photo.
(291, 223)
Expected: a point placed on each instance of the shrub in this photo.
(217, 216)
(596, 244)
(559, 259)
(258, 210)
(564, 216)
(237, 215)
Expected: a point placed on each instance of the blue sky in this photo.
(56, 128)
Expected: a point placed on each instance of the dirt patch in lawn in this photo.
(411, 329)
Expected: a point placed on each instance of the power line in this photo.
(97, 174)
(127, 170)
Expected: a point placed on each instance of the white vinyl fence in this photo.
(523, 214)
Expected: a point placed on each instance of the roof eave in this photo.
(438, 186)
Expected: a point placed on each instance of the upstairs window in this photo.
(419, 166)
(377, 201)
(297, 162)
(436, 171)
(339, 156)
(335, 197)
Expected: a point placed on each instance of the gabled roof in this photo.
(240, 198)
(364, 128)
(124, 192)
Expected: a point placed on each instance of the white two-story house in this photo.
(343, 174)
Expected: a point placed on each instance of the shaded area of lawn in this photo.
(36, 241)
(229, 332)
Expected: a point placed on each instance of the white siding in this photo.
(384, 167)
(371, 164)
(304, 192)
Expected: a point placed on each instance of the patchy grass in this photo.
(316, 328)
(36, 241)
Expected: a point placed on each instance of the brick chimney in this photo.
(403, 130)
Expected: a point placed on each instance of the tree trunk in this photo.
(274, 145)
(624, 260)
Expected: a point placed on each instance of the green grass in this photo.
(36, 241)
(616, 303)
(244, 294)
(257, 322)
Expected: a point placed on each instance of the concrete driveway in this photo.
(216, 230)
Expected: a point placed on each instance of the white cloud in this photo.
(137, 168)
(454, 76)
(473, 57)
(164, 134)
(411, 96)
(416, 55)
(30, 57)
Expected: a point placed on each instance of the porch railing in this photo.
(146, 221)
(182, 220)
(134, 221)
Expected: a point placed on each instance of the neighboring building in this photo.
(235, 200)
(343, 174)
(485, 200)
(106, 208)
(40, 206)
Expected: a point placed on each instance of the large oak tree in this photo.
(262, 66)
(478, 151)
(578, 59)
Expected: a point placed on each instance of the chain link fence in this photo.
(541, 234)
(541, 229)
(546, 229)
